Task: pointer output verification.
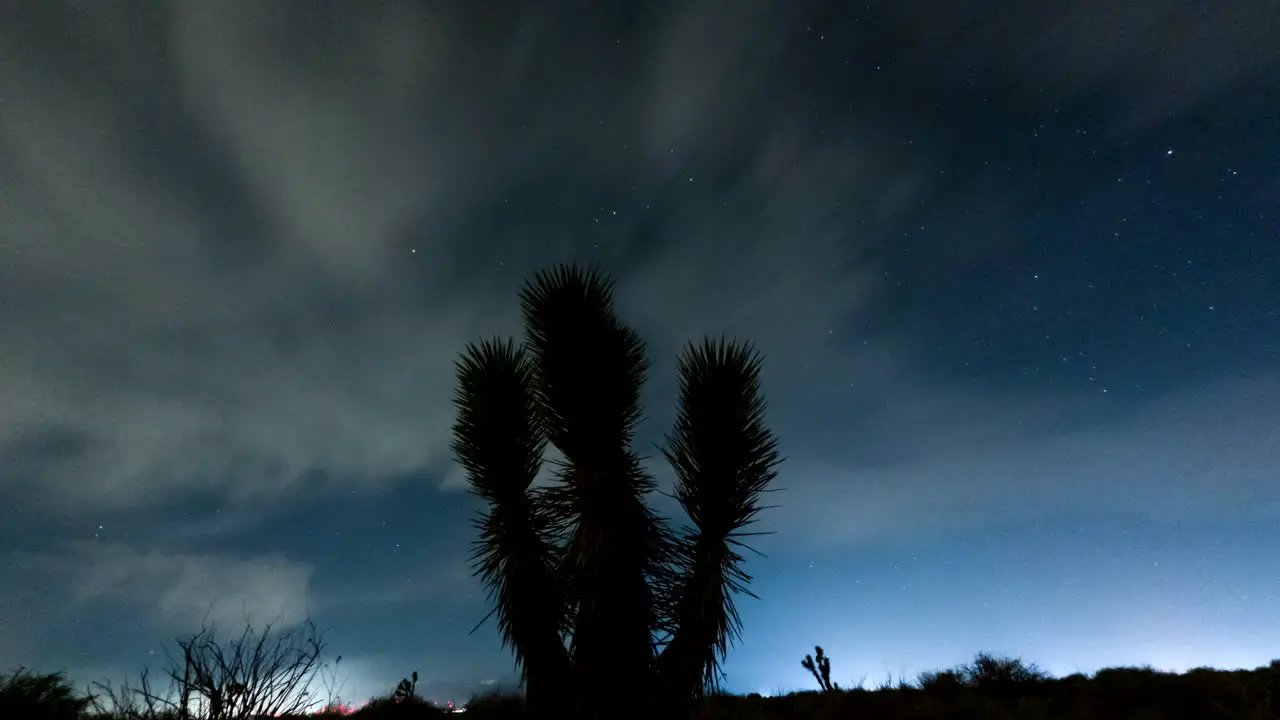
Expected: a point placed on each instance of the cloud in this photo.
(101, 610)
(1202, 454)
(446, 581)
(242, 250)
(242, 260)
(172, 370)
(1153, 59)
(211, 288)
(180, 591)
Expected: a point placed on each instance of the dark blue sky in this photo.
(1014, 271)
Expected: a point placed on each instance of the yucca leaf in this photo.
(590, 368)
(724, 458)
(498, 441)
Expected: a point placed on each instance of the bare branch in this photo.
(256, 674)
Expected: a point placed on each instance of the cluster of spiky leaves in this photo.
(724, 457)
(497, 442)
(593, 591)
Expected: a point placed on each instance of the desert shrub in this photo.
(257, 673)
(31, 696)
(988, 671)
(1209, 694)
(941, 681)
(1128, 690)
(1272, 675)
(392, 708)
(332, 711)
(498, 706)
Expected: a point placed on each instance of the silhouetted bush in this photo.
(1132, 693)
(1023, 692)
(989, 672)
(332, 711)
(264, 673)
(940, 680)
(403, 708)
(31, 696)
(498, 706)
(1273, 685)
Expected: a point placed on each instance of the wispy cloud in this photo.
(445, 582)
(179, 592)
(242, 250)
(1153, 59)
(927, 468)
(267, 295)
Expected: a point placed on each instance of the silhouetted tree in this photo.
(605, 607)
(820, 666)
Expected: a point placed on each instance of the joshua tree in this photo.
(406, 689)
(821, 669)
(605, 607)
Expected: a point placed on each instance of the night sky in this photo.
(1014, 270)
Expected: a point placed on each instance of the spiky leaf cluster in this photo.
(597, 596)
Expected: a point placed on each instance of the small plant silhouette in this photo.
(820, 665)
(597, 597)
(407, 688)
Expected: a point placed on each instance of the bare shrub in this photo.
(258, 673)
